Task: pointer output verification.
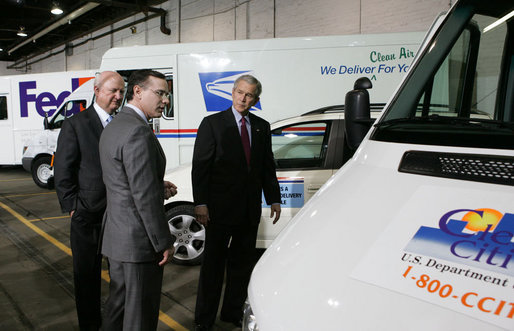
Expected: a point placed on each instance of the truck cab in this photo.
(416, 230)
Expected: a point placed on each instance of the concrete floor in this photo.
(36, 286)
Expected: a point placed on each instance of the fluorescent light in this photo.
(56, 11)
(21, 32)
(498, 22)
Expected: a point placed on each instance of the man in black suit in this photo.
(232, 165)
(81, 192)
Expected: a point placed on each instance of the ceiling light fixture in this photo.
(21, 32)
(56, 10)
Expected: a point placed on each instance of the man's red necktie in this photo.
(245, 139)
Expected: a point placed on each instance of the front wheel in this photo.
(188, 233)
(42, 171)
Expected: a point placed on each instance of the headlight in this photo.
(249, 321)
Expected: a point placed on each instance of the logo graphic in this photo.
(45, 102)
(481, 238)
(217, 89)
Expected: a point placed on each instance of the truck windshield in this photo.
(468, 100)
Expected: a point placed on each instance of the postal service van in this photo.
(25, 100)
(416, 231)
(298, 75)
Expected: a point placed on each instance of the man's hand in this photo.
(169, 190)
(275, 211)
(72, 212)
(202, 214)
(166, 256)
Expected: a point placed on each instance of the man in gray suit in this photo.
(136, 238)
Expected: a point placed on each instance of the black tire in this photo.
(188, 233)
(42, 171)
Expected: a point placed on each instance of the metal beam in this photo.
(82, 10)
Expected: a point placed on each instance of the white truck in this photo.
(416, 231)
(25, 100)
(298, 75)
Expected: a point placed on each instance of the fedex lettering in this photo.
(44, 100)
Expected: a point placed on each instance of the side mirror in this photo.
(45, 122)
(357, 115)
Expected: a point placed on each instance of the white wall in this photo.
(215, 20)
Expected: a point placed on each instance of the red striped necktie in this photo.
(245, 139)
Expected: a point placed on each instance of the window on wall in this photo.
(3, 108)
(300, 145)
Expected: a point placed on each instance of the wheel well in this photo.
(37, 157)
(172, 204)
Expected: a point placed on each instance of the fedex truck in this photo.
(416, 231)
(25, 100)
(298, 74)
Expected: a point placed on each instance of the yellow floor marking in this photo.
(14, 179)
(27, 195)
(105, 275)
(48, 218)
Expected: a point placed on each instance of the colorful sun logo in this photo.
(479, 223)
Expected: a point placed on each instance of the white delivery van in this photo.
(298, 75)
(416, 231)
(25, 100)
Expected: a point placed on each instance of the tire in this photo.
(42, 171)
(189, 235)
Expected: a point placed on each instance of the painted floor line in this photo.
(14, 179)
(105, 275)
(27, 195)
(48, 218)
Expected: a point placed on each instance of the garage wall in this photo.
(215, 20)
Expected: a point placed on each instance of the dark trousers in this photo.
(238, 259)
(87, 267)
(134, 296)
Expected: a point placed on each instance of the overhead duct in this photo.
(65, 20)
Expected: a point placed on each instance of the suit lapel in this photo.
(94, 121)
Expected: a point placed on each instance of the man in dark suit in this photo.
(81, 192)
(136, 238)
(232, 165)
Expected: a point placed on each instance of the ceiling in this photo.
(46, 31)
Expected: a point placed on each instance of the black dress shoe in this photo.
(236, 321)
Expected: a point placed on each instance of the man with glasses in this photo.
(136, 238)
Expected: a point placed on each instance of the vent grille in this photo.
(470, 167)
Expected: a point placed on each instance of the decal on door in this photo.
(217, 89)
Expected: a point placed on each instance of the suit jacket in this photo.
(78, 174)
(133, 164)
(220, 174)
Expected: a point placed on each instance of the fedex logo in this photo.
(45, 102)
(217, 89)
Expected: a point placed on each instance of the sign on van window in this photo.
(291, 192)
(456, 256)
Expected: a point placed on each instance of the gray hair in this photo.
(252, 81)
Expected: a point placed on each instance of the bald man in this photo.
(81, 192)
